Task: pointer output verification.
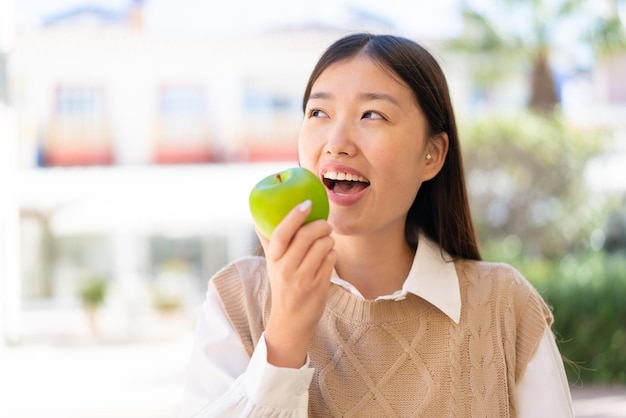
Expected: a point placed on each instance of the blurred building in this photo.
(117, 95)
(136, 155)
(137, 150)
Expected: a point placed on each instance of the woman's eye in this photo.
(372, 115)
(316, 113)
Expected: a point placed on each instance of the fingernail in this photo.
(304, 206)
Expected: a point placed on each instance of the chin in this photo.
(343, 226)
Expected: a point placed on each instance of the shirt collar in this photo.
(432, 277)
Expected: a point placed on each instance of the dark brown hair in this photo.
(441, 208)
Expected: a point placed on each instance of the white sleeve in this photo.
(543, 390)
(222, 381)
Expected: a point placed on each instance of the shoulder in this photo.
(498, 274)
(243, 274)
(245, 265)
(512, 304)
(242, 289)
(243, 268)
(502, 282)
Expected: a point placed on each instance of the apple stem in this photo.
(280, 179)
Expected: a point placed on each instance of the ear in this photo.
(437, 147)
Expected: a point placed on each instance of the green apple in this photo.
(272, 198)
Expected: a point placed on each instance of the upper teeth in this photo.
(335, 175)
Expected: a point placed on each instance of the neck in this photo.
(376, 266)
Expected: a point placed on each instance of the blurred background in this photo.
(132, 131)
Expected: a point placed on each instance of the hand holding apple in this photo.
(274, 196)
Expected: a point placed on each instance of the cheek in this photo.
(402, 168)
(306, 151)
(310, 141)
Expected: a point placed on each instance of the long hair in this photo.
(441, 208)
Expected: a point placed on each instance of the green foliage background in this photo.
(534, 210)
(93, 291)
(590, 314)
(526, 180)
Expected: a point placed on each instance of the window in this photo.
(182, 132)
(273, 119)
(180, 267)
(79, 129)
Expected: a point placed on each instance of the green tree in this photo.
(526, 35)
(526, 182)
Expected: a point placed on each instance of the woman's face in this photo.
(364, 134)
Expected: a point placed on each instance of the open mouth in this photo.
(344, 183)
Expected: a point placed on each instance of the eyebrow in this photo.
(319, 95)
(379, 96)
(363, 96)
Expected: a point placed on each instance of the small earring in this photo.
(428, 156)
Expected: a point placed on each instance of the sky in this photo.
(438, 19)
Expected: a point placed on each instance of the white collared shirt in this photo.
(431, 278)
(222, 381)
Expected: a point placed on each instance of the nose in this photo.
(340, 140)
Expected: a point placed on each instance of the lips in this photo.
(344, 183)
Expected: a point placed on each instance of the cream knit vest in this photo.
(406, 358)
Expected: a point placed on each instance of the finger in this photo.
(303, 242)
(286, 229)
(327, 265)
(314, 256)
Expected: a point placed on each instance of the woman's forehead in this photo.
(359, 70)
(361, 76)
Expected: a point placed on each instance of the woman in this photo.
(385, 309)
